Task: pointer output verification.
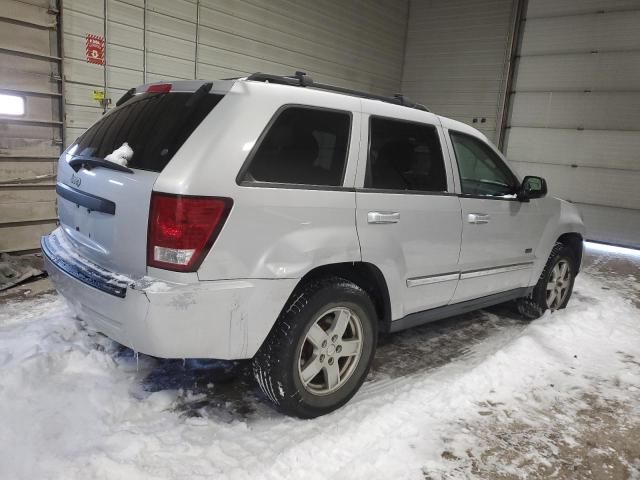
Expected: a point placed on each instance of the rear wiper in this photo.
(90, 162)
(199, 94)
(126, 97)
(193, 100)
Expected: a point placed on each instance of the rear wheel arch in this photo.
(365, 275)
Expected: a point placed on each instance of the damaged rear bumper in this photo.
(225, 319)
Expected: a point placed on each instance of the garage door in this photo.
(455, 58)
(353, 44)
(30, 121)
(575, 110)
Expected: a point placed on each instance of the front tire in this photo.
(319, 352)
(554, 287)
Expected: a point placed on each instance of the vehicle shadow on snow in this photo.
(205, 387)
(226, 390)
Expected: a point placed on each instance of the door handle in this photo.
(383, 217)
(478, 218)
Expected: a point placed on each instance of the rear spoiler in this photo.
(196, 86)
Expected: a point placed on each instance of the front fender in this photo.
(561, 217)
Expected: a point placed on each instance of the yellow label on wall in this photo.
(98, 95)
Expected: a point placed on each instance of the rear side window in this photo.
(155, 125)
(404, 156)
(303, 146)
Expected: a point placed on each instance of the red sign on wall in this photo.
(95, 49)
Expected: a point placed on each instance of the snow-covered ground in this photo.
(476, 397)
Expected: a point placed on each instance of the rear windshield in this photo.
(155, 125)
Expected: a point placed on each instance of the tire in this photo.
(303, 340)
(560, 270)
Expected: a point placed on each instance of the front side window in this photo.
(404, 156)
(482, 172)
(303, 146)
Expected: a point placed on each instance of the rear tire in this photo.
(554, 286)
(319, 352)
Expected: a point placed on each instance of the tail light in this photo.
(182, 229)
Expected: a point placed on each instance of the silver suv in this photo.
(289, 222)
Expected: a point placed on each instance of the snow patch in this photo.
(71, 408)
(157, 287)
(68, 252)
(162, 400)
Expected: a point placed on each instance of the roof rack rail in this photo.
(301, 79)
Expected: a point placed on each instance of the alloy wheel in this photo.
(558, 284)
(331, 351)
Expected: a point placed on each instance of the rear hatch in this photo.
(104, 206)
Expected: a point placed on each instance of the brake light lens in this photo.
(182, 229)
(159, 88)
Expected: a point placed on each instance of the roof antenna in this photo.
(304, 79)
(407, 102)
(401, 98)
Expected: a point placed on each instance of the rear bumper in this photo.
(226, 319)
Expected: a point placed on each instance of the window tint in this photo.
(304, 146)
(482, 172)
(155, 125)
(404, 156)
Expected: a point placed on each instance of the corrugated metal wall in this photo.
(29, 143)
(575, 110)
(356, 44)
(455, 58)
(574, 113)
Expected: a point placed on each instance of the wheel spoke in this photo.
(340, 323)
(550, 298)
(551, 286)
(562, 291)
(555, 273)
(311, 370)
(316, 335)
(564, 269)
(559, 297)
(332, 375)
(349, 348)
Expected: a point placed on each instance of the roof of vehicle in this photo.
(301, 79)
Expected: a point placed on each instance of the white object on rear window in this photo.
(121, 155)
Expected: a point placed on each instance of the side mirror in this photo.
(532, 187)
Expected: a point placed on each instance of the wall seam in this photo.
(404, 46)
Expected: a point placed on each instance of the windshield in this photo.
(154, 125)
